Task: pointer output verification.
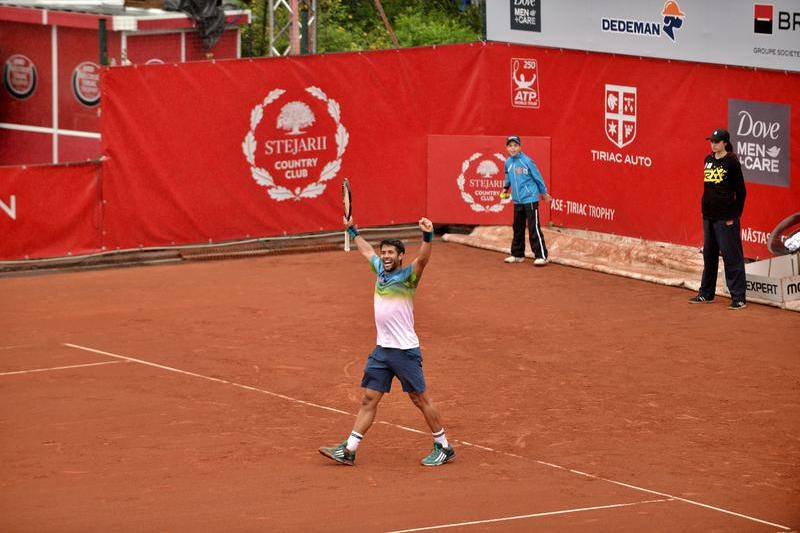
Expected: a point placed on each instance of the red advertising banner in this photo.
(214, 151)
(466, 175)
(48, 211)
(628, 137)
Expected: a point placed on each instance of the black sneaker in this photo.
(737, 304)
(700, 299)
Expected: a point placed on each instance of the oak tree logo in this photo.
(295, 115)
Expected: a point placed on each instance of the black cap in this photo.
(513, 139)
(719, 135)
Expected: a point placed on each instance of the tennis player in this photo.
(397, 353)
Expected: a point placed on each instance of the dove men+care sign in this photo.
(760, 137)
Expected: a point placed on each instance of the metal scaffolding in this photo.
(287, 20)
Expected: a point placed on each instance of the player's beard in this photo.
(391, 265)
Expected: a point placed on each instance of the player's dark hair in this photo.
(729, 149)
(397, 243)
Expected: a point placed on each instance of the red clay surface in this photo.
(696, 408)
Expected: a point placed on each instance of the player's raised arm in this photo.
(425, 250)
(363, 246)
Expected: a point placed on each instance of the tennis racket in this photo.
(347, 202)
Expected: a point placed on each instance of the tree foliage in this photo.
(351, 25)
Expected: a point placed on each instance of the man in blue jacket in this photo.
(526, 184)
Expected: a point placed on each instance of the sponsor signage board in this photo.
(747, 33)
(760, 137)
(468, 173)
(776, 279)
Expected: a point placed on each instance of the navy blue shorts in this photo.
(384, 364)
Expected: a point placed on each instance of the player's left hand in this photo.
(546, 197)
(425, 224)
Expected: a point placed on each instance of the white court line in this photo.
(524, 516)
(544, 463)
(209, 378)
(57, 368)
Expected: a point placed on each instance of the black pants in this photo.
(719, 237)
(528, 214)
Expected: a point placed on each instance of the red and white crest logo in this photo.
(620, 116)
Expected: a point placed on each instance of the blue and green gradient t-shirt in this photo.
(394, 306)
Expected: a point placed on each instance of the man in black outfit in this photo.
(722, 205)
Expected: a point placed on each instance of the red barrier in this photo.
(214, 151)
(48, 211)
(224, 150)
(647, 183)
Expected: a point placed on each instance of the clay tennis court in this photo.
(193, 397)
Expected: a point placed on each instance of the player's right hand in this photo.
(347, 222)
(504, 195)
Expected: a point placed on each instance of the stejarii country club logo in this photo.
(19, 76)
(524, 83)
(86, 83)
(295, 143)
(481, 182)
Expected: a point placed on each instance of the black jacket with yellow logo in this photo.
(723, 191)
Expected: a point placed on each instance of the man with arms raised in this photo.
(397, 353)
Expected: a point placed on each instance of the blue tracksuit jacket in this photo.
(524, 178)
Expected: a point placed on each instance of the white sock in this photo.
(354, 440)
(440, 437)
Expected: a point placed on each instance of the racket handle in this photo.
(346, 241)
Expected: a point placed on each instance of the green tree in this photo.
(351, 25)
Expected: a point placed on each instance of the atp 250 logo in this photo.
(295, 143)
(524, 83)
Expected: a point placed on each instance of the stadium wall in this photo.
(215, 151)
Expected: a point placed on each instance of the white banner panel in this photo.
(730, 32)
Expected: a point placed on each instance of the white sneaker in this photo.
(512, 259)
(540, 261)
